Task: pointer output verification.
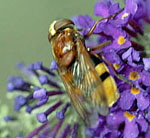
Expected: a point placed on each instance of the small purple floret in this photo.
(42, 101)
(89, 132)
(39, 94)
(36, 88)
(31, 67)
(38, 65)
(20, 100)
(145, 78)
(10, 87)
(60, 115)
(102, 8)
(20, 65)
(43, 79)
(42, 117)
(146, 62)
(17, 81)
(29, 109)
(53, 65)
(9, 118)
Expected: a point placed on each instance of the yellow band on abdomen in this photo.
(101, 68)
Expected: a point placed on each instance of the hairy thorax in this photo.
(64, 47)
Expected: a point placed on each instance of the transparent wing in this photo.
(85, 87)
(87, 79)
(75, 95)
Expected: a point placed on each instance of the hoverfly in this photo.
(87, 80)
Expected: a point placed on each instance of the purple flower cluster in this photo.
(129, 117)
(42, 89)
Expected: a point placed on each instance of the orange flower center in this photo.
(135, 90)
(121, 40)
(116, 66)
(124, 15)
(129, 116)
(134, 75)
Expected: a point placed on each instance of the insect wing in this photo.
(75, 96)
(87, 80)
(84, 86)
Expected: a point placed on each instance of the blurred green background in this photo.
(23, 31)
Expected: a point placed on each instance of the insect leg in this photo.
(100, 46)
(96, 23)
(119, 76)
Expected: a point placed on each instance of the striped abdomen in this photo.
(108, 82)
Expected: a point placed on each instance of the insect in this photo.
(87, 80)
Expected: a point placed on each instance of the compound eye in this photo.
(62, 24)
(56, 25)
